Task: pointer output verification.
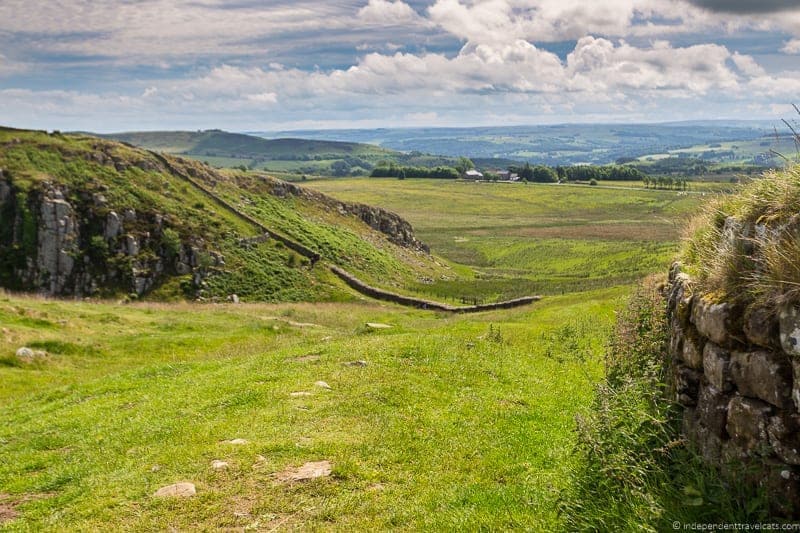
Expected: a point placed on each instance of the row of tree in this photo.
(402, 172)
(545, 174)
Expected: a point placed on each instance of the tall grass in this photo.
(746, 246)
(632, 470)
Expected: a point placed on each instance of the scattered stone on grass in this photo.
(25, 353)
(155, 468)
(322, 385)
(306, 472)
(236, 441)
(356, 363)
(177, 490)
(299, 393)
(216, 464)
(378, 325)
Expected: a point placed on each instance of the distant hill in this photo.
(559, 144)
(224, 149)
(84, 216)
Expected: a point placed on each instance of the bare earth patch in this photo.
(7, 512)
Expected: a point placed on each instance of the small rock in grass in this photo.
(178, 490)
(308, 471)
(300, 393)
(377, 325)
(216, 464)
(25, 353)
(155, 468)
(237, 441)
(322, 385)
(356, 363)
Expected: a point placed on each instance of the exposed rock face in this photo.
(52, 240)
(397, 229)
(58, 243)
(736, 371)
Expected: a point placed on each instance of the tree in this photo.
(526, 172)
(464, 164)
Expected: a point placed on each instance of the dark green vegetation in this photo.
(566, 144)
(98, 177)
(531, 239)
(234, 150)
(634, 471)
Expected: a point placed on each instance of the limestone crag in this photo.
(736, 372)
(73, 244)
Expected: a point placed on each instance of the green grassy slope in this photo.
(132, 178)
(455, 423)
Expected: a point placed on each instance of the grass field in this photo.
(450, 423)
(524, 239)
(454, 423)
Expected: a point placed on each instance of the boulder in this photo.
(763, 375)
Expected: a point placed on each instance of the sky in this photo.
(249, 65)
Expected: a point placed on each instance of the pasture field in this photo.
(452, 422)
(439, 422)
(524, 239)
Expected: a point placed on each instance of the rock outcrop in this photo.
(396, 228)
(64, 243)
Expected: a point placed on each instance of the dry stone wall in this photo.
(736, 372)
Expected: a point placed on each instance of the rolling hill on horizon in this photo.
(294, 155)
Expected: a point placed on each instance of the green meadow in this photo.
(522, 239)
(438, 422)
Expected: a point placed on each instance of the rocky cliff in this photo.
(71, 243)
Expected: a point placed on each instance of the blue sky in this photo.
(106, 65)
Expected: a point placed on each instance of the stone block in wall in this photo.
(717, 366)
(716, 321)
(784, 436)
(789, 324)
(763, 375)
(712, 409)
(692, 352)
(687, 385)
(747, 426)
(675, 340)
(679, 298)
(761, 326)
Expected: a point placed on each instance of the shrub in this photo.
(171, 241)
